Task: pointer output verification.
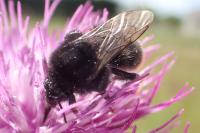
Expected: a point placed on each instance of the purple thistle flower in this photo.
(23, 54)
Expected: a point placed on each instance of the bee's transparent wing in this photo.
(117, 33)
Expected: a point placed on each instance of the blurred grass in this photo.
(186, 69)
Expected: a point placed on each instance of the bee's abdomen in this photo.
(130, 57)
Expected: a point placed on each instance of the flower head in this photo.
(24, 53)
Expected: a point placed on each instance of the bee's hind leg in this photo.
(124, 75)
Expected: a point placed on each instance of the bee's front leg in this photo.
(65, 120)
(46, 113)
(72, 100)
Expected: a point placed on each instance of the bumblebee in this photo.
(84, 62)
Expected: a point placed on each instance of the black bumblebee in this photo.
(84, 62)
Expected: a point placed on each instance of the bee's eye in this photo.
(46, 84)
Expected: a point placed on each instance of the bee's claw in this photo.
(74, 110)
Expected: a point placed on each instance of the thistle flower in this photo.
(24, 52)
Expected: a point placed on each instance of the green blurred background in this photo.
(176, 28)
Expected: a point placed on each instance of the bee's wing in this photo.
(117, 33)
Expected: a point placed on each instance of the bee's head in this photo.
(52, 91)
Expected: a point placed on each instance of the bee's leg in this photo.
(46, 112)
(124, 75)
(72, 100)
(101, 81)
(71, 36)
(60, 105)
